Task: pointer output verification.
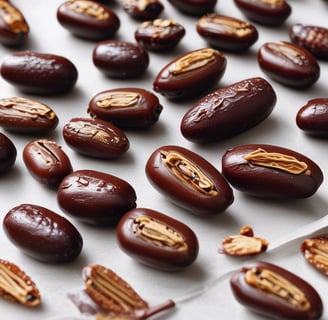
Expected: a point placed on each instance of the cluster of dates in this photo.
(184, 177)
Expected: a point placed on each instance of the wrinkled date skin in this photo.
(46, 161)
(24, 115)
(313, 38)
(127, 108)
(188, 180)
(8, 153)
(288, 64)
(191, 74)
(227, 33)
(143, 9)
(88, 19)
(275, 292)
(95, 138)
(157, 240)
(312, 118)
(42, 234)
(14, 29)
(229, 110)
(120, 59)
(194, 7)
(39, 73)
(271, 171)
(95, 197)
(159, 34)
(265, 12)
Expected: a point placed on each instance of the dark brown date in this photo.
(95, 197)
(191, 74)
(229, 110)
(265, 12)
(120, 59)
(39, 73)
(159, 34)
(157, 240)
(313, 38)
(46, 161)
(24, 115)
(127, 108)
(194, 7)
(275, 292)
(288, 64)
(95, 138)
(226, 33)
(88, 19)
(42, 234)
(14, 29)
(271, 171)
(188, 180)
(143, 9)
(8, 153)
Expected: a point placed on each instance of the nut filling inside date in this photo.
(289, 52)
(30, 109)
(290, 164)
(274, 2)
(88, 8)
(16, 286)
(317, 252)
(273, 283)
(193, 61)
(186, 171)
(159, 234)
(13, 18)
(118, 99)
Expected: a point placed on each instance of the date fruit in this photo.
(315, 251)
(46, 161)
(42, 234)
(24, 115)
(312, 118)
(120, 59)
(194, 7)
(226, 33)
(8, 153)
(270, 171)
(39, 73)
(95, 197)
(313, 38)
(160, 34)
(191, 74)
(17, 286)
(157, 240)
(229, 111)
(265, 12)
(275, 292)
(289, 64)
(14, 29)
(95, 138)
(143, 9)
(188, 180)
(110, 291)
(127, 108)
(88, 19)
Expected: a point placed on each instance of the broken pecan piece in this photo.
(110, 291)
(315, 251)
(245, 243)
(17, 286)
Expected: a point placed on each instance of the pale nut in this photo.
(243, 244)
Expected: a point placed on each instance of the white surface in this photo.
(274, 221)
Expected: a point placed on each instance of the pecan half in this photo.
(118, 99)
(284, 162)
(90, 8)
(17, 286)
(110, 291)
(244, 243)
(315, 251)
